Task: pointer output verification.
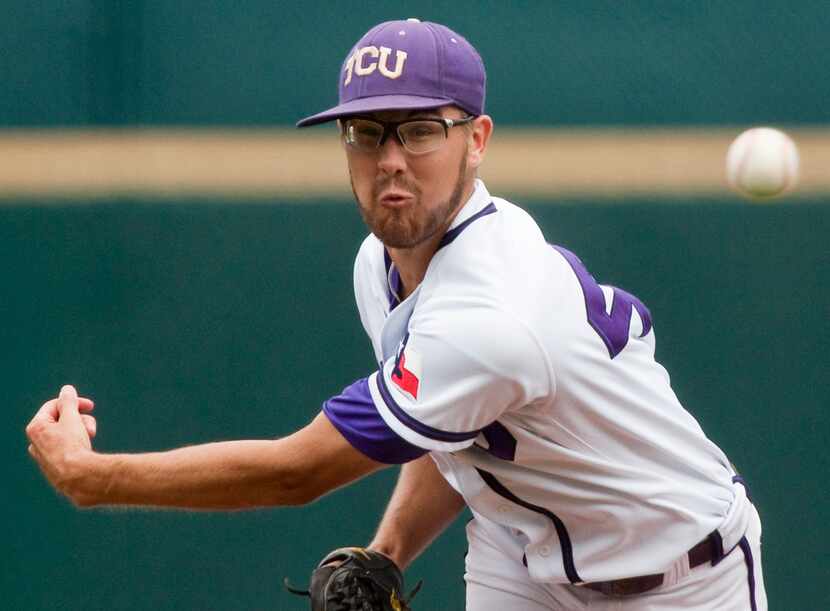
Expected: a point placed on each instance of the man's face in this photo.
(407, 198)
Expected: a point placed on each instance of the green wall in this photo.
(191, 322)
(195, 321)
(604, 62)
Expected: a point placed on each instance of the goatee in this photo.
(410, 226)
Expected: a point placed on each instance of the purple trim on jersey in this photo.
(393, 278)
(500, 443)
(750, 571)
(738, 479)
(561, 531)
(354, 414)
(455, 231)
(393, 281)
(415, 425)
(613, 329)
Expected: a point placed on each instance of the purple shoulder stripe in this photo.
(354, 414)
(416, 425)
(456, 231)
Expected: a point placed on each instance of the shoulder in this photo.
(502, 258)
(477, 333)
(513, 223)
(370, 289)
(500, 232)
(370, 252)
(369, 264)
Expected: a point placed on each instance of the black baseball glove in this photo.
(356, 579)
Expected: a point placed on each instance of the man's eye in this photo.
(368, 132)
(421, 131)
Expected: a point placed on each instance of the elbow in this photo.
(304, 499)
(313, 462)
(299, 494)
(300, 485)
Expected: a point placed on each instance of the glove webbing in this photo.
(354, 595)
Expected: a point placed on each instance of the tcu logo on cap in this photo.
(378, 60)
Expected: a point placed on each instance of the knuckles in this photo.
(64, 467)
(34, 429)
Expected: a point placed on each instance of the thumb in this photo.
(68, 405)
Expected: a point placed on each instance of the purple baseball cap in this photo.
(402, 65)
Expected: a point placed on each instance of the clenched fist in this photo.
(60, 436)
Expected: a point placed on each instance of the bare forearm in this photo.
(422, 505)
(225, 475)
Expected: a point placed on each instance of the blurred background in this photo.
(170, 245)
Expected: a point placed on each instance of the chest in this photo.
(394, 326)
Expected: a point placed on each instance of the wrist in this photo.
(389, 550)
(95, 486)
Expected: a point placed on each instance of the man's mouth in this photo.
(395, 198)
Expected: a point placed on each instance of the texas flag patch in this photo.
(406, 374)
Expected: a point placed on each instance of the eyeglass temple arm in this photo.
(450, 122)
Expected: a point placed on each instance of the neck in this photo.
(412, 263)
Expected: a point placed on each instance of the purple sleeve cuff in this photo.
(354, 414)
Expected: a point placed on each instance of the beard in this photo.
(408, 227)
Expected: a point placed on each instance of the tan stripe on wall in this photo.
(266, 163)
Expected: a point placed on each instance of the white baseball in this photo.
(762, 162)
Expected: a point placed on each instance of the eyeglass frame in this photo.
(393, 127)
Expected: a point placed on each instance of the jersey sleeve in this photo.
(452, 376)
(353, 413)
(457, 371)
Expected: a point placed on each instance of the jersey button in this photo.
(544, 551)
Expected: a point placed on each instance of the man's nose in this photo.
(392, 156)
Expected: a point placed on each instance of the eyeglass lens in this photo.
(416, 136)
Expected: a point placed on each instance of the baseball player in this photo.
(509, 381)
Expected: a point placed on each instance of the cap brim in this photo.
(374, 104)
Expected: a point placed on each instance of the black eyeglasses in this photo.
(416, 136)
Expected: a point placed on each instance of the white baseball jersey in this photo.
(537, 394)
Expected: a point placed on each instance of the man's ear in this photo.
(482, 129)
